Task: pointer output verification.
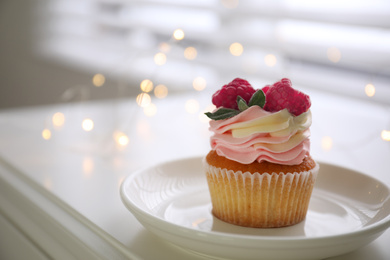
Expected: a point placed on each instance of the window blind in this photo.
(335, 45)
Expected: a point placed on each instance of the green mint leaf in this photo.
(222, 113)
(258, 98)
(241, 103)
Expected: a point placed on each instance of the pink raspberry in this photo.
(281, 95)
(227, 96)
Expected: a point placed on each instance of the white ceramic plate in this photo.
(348, 210)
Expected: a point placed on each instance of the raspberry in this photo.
(227, 96)
(281, 95)
(265, 89)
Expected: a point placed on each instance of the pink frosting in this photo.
(259, 135)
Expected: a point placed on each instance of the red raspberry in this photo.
(265, 89)
(281, 95)
(227, 96)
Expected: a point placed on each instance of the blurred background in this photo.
(54, 51)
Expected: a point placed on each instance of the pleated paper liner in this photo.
(260, 200)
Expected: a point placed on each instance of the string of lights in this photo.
(151, 89)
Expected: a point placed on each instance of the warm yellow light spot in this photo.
(370, 90)
(385, 134)
(178, 34)
(326, 143)
(146, 85)
(334, 54)
(88, 166)
(164, 47)
(190, 53)
(160, 59)
(236, 49)
(87, 124)
(199, 83)
(58, 119)
(98, 80)
(46, 134)
(192, 106)
(231, 4)
(121, 139)
(143, 100)
(160, 91)
(270, 60)
(150, 110)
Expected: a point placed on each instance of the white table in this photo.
(60, 197)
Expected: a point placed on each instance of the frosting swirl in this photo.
(259, 135)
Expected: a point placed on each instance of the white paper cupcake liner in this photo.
(260, 200)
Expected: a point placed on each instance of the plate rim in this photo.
(375, 228)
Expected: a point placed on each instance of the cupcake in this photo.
(259, 170)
